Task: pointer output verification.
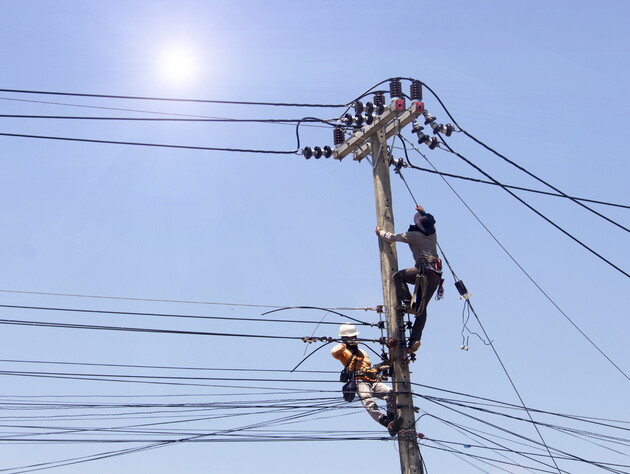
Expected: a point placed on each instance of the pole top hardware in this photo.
(393, 119)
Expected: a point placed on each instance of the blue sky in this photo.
(544, 83)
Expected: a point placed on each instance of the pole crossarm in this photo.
(393, 119)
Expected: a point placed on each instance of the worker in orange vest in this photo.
(368, 382)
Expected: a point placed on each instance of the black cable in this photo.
(486, 460)
(511, 382)
(203, 101)
(497, 354)
(120, 109)
(519, 188)
(471, 435)
(482, 458)
(520, 167)
(534, 454)
(277, 390)
(159, 377)
(575, 457)
(16, 322)
(168, 367)
(313, 352)
(328, 310)
(159, 145)
(547, 425)
(492, 345)
(596, 421)
(156, 300)
(514, 260)
(41, 466)
(460, 427)
(183, 316)
(533, 209)
(166, 119)
(306, 119)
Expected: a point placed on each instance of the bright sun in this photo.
(178, 64)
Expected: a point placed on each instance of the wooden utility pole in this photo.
(410, 462)
(372, 140)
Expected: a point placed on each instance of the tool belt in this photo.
(371, 375)
(433, 263)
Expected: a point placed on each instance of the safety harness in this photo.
(419, 298)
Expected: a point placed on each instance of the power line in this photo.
(186, 316)
(158, 377)
(511, 405)
(467, 301)
(577, 458)
(168, 367)
(513, 258)
(16, 322)
(121, 109)
(129, 298)
(200, 302)
(203, 101)
(164, 119)
(519, 167)
(40, 466)
(547, 425)
(530, 207)
(532, 454)
(159, 145)
(519, 188)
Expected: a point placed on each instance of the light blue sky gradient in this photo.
(543, 82)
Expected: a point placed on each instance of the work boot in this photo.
(413, 346)
(394, 426)
(385, 420)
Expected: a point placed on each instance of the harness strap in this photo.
(419, 292)
(353, 356)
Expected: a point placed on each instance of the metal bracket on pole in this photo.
(394, 118)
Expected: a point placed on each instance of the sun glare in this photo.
(178, 65)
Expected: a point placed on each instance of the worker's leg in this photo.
(365, 392)
(433, 281)
(384, 392)
(401, 280)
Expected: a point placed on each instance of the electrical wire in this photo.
(156, 300)
(507, 252)
(199, 101)
(41, 466)
(530, 207)
(499, 359)
(519, 167)
(158, 145)
(120, 109)
(166, 119)
(146, 330)
(168, 367)
(188, 316)
(518, 188)
(328, 310)
(575, 457)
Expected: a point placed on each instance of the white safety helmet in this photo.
(348, 330)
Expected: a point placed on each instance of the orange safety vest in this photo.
(361, 365)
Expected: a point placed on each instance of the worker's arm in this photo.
(339, 352)
(389, 237)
